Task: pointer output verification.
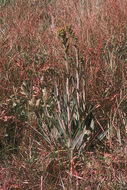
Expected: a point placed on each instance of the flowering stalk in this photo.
(68, 98)
(72, 35)
(84, 95)
(62, 35)
(57, 95)
(77, 74)
(59, 106)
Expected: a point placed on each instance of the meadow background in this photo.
(60, 62)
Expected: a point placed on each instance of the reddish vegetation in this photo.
(31, 51)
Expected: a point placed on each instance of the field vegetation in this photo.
(63, 94)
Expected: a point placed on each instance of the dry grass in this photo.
(38, 77)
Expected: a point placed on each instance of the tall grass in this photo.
(63, 94)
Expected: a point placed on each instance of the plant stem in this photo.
(77, 74)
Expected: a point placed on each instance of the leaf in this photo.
(92, 124)
(24, 89)
(32, 101)
(78, 140)
(54, 133)
(60, 126)
(38, 102)
(72, 114)
(102, 135)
